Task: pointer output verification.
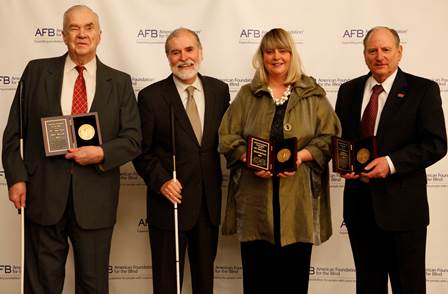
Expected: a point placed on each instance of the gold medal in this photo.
(86, 132)
(363, 155)
(283, 155)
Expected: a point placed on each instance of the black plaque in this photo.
(353, 156)
(61, 133)
(275, 157)
(86, 129)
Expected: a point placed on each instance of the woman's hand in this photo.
(263, 174)
(243, 157)
(286, 174)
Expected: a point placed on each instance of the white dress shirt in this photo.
(382, 98)
(68, 84)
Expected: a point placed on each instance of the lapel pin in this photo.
(287, 127)
(400, 95)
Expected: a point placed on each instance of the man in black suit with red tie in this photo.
(198, 103)
(72, 196)
(386, 206)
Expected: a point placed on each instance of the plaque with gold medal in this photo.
(353, 156)
(275, 157)
(61, 133)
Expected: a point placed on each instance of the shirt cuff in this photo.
(391, 165)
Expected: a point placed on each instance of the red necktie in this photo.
(369, 115)
(79, 103)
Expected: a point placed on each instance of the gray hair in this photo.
(177, 32)
(78, 7)
(374, 29)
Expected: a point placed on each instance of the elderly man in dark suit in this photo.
(386, 206)
(73, 196)
(198, 104)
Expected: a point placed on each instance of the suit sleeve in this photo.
(148, 164)
(430, 144)
(127, 144)
(14, 166)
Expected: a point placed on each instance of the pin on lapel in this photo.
(287, 127)
(400, 95)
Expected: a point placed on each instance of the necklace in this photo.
(281, 100)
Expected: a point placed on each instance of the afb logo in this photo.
(148, 33)
(251, 35)
(254, 35)
(8, 82)
(9, 272)
(142, 226)
(5, 80)
(357, 35)
(2, 177)
(343, 228)
(353, 35)
(153, 35)
(48, 35)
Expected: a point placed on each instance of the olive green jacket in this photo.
(304, 198)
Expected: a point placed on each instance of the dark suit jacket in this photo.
(95, 190)
(198, 166)
(411, 132)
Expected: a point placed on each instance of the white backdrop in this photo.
(328, 35)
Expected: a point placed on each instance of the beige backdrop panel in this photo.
(328, 35)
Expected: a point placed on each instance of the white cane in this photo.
(176, 218)
(176, 240)
(22, 209)
(22, 235)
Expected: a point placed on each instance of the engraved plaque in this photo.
(353, 156)
(61, 133)
(275, 157)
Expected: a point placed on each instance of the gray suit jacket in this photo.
(49, 179)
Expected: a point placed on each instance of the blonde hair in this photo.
(278, 39)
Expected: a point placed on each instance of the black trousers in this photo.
(46, 249)
(202, 244)
(380, 254)
(270, 269)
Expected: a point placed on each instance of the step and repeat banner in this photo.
(329, 37)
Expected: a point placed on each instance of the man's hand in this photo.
(86, 155)
(17, 194)
(172, 191)
(350, 176)
(377, 168)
